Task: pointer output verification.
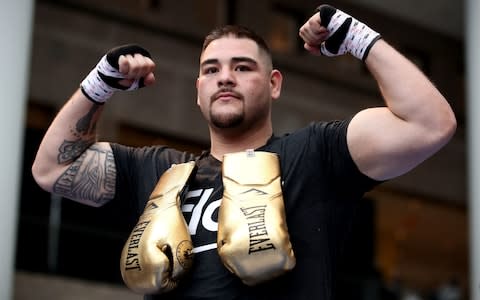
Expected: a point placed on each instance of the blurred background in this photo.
(410, 238)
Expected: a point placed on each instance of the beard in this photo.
(227, 120)
(230, 118)
(233, 115)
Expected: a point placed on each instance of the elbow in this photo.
(41, 176)
(451, 125)
(448, 126)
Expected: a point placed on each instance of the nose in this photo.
(226, 78)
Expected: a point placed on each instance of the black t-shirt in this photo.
(321, 184)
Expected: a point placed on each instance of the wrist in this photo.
(94, 87)
(370, 46)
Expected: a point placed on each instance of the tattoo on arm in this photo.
(70, 150)
(84, 130)
(90, 177)
(85, 124)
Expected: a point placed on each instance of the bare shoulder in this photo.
(90, 179)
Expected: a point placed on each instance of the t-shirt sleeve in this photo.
(330, 141)
(139, 169)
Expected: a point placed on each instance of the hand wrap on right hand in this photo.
(103, 80)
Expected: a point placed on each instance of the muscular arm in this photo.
(417, 121)
(70, 162)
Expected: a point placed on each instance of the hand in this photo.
(135, 67)
(332, 32)
(313, 34)
(127, 67)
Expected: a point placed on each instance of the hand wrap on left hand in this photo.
(346, 34)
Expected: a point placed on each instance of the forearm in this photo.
(70, 134)
(407, 92)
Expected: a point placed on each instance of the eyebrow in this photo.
(235, 59)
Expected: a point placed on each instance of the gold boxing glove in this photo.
(159, 249)
(253, 240)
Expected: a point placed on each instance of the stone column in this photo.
(16, 31)
(472, 41)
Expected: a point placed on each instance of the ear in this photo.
(276, 79)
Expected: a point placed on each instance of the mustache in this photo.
(217, 94)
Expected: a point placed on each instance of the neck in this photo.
(224, 141)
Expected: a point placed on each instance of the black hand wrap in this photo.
(346, 34)
(103, 80)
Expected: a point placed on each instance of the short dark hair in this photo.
(237, 31)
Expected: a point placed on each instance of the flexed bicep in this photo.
(384, 146)
(90, 179)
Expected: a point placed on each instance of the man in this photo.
(325, 166)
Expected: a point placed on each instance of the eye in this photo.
(210, 70)
(242, 68)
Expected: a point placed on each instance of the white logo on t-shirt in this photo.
(200, 216)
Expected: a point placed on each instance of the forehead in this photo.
(228, 47)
